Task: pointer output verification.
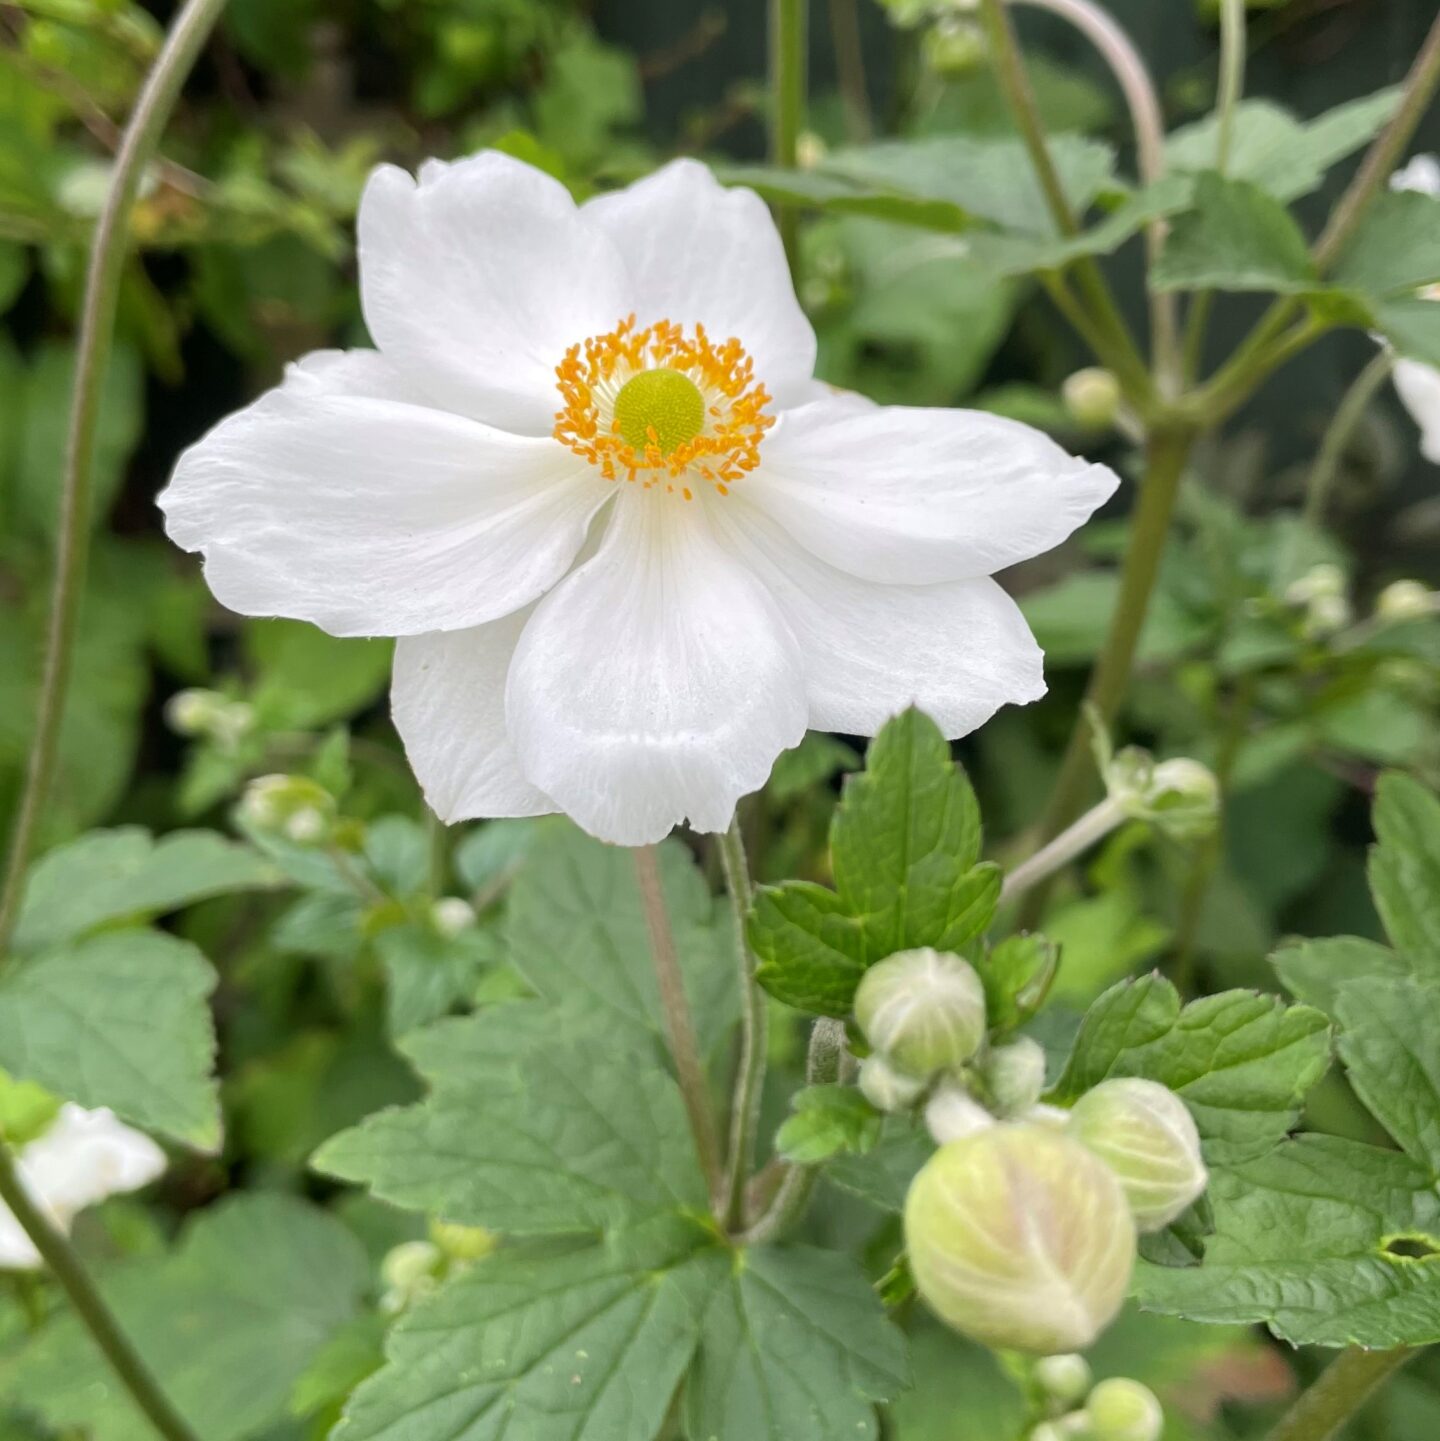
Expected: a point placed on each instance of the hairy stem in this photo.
(97, 323)
(787, 101)
(1340, 432)
(1341, 1389)
(98, 1319)
(1092, 827)
(750, 1078)
(679, 1024)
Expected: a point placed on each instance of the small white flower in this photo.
(1418, 384)
(1421, 172)
(84, 1157)
(632, 549)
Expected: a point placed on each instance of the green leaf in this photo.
(1411, 324)
(826, 1121)
(1315, 971)
(537, 1124)
(126, 874)
(1397, 247)
(117, 1020)
(882, 1175)
(428, 975)
(1405, 866)
(811, 950)
(1017, 973)
(1237, 238)
(1241, 1061)
(307, 679)
(228, 1322)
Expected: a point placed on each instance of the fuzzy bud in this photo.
(1015, 1075)
(1018, 1237)
(952, 1113)
(885, 1087)
(924, 1010)
(1124, 1410)
(451, 915)
(1146, 1136)
(1065, 1379)
(1405, 600)
(1092, 396)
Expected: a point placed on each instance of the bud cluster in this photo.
(298, 809)
(208, 715)
(1180, 797)
(1322, 594)
(414, 1270)
(1115, 1410)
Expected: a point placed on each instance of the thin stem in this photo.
(754, 1017)
(1232, 78)
(1340, 432)
(822, 1066)
(102, 294)
(1092, 827)
(850, 69)
(787, 101)
(65, 1265)
(679, 1024)
(1341, 1389)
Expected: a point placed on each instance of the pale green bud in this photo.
(1124, 1410)
(295, 806)
(885, 1087)
(191, 712)
(1146, 1135)
(923, 1009)
(954, 46)
(1405, 600)
(1015, 1075)
(1180, 796)
(952, 1113)
(1320, 582)
(810, 150)
(463, 1243)
(1092, 396)
(411, 1267)
(1065, 1379)
(1326, 614)
(451, 915)
(1018, 1237)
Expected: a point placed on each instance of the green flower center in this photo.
(664, 401)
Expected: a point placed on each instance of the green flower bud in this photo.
(451, 915)
(952, 1113)
(294, 806)
(1092, 396)
(1180, 797)
(885, 1087)
(1065, 1379)
(1405, 600)
(190, 712)
(1124, 1410)
(1320, 582)
(410, 1271)
(462, 1243)
(923, 1009)
(954, 47)
(1015, 1076)
(1019, 1237)
(1146, 1136)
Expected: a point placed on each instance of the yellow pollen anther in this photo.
(659, 407)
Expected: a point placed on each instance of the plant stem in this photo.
(822, 1066)
(1093, 826)
(750, 1078)
(787, 102)
(65, 1265)
(97, 323)
(679, 1024)
(1341, 1389)
(850, 69)
(1340, 432)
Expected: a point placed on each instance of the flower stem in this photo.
(750, 1078)
(1092, 827)
(679, 1024)
(1340, 432)
(822, 1066)
(97, 323)
(67, 1268)
(787, 102)
(1341, 1389)
(849, 49)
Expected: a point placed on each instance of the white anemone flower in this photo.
(630, 547)
(81, 1159)
(1418, 384)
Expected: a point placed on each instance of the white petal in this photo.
(1421, 173)
(698, 251)
(477, 277)
(84, 1157)
(959, 650)
(1418, 386)
(448, 701)
(659, 682)
(336, 499)
(917, 496)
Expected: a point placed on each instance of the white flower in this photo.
(84, 1157)
(630, 558)
(1418, 384)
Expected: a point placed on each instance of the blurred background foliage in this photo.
(245, 260)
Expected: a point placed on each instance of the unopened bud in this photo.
(952, 1113)
(810, 150)
(462, 1243)
(1065, 1379)
(923, 1009)
(885, 1087)
(1146, 1135)
(1327, 614)
(1405, 600)
(294, 806)
(1180, 796)
(1092, 396)
(1320, 582)
(1123, 1410)
(410, 1272)
(451, 915)
(954, 46)
(1015, 1075)
(1018, 1237)
(189, 712)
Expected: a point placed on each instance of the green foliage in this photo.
(827, 1121)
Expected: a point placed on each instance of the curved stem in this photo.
(679, 1024)
(65, 1265)
(787, 101)
(102, 295)
(1339, 433)
(1092, 827)
(750, 1078)
(1341, 1389)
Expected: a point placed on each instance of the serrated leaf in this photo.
(227, 1322)
(1405, 866)
(536, 1125)
(1314, 971)
(882, 1175)
(811, 950)
(1396, 248)
(126, 874)
(1242, 1061)
(825, 1121)
(120, 1020)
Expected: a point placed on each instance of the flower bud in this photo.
(294, 806)
(462, 1243)
(1405, 600)
(954, 46)
(1327, 614)
(190, 712)
(1180, 797)
(451, 915)
(1065, 1379)
(1124, 1410)
(1146, 1136)
(1092, 396)
(952, 1113)
(410, 1271)
(886, 1088)
(1019, 1237)
(1320, 582)
(923, 1009)
(1015, 1075)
